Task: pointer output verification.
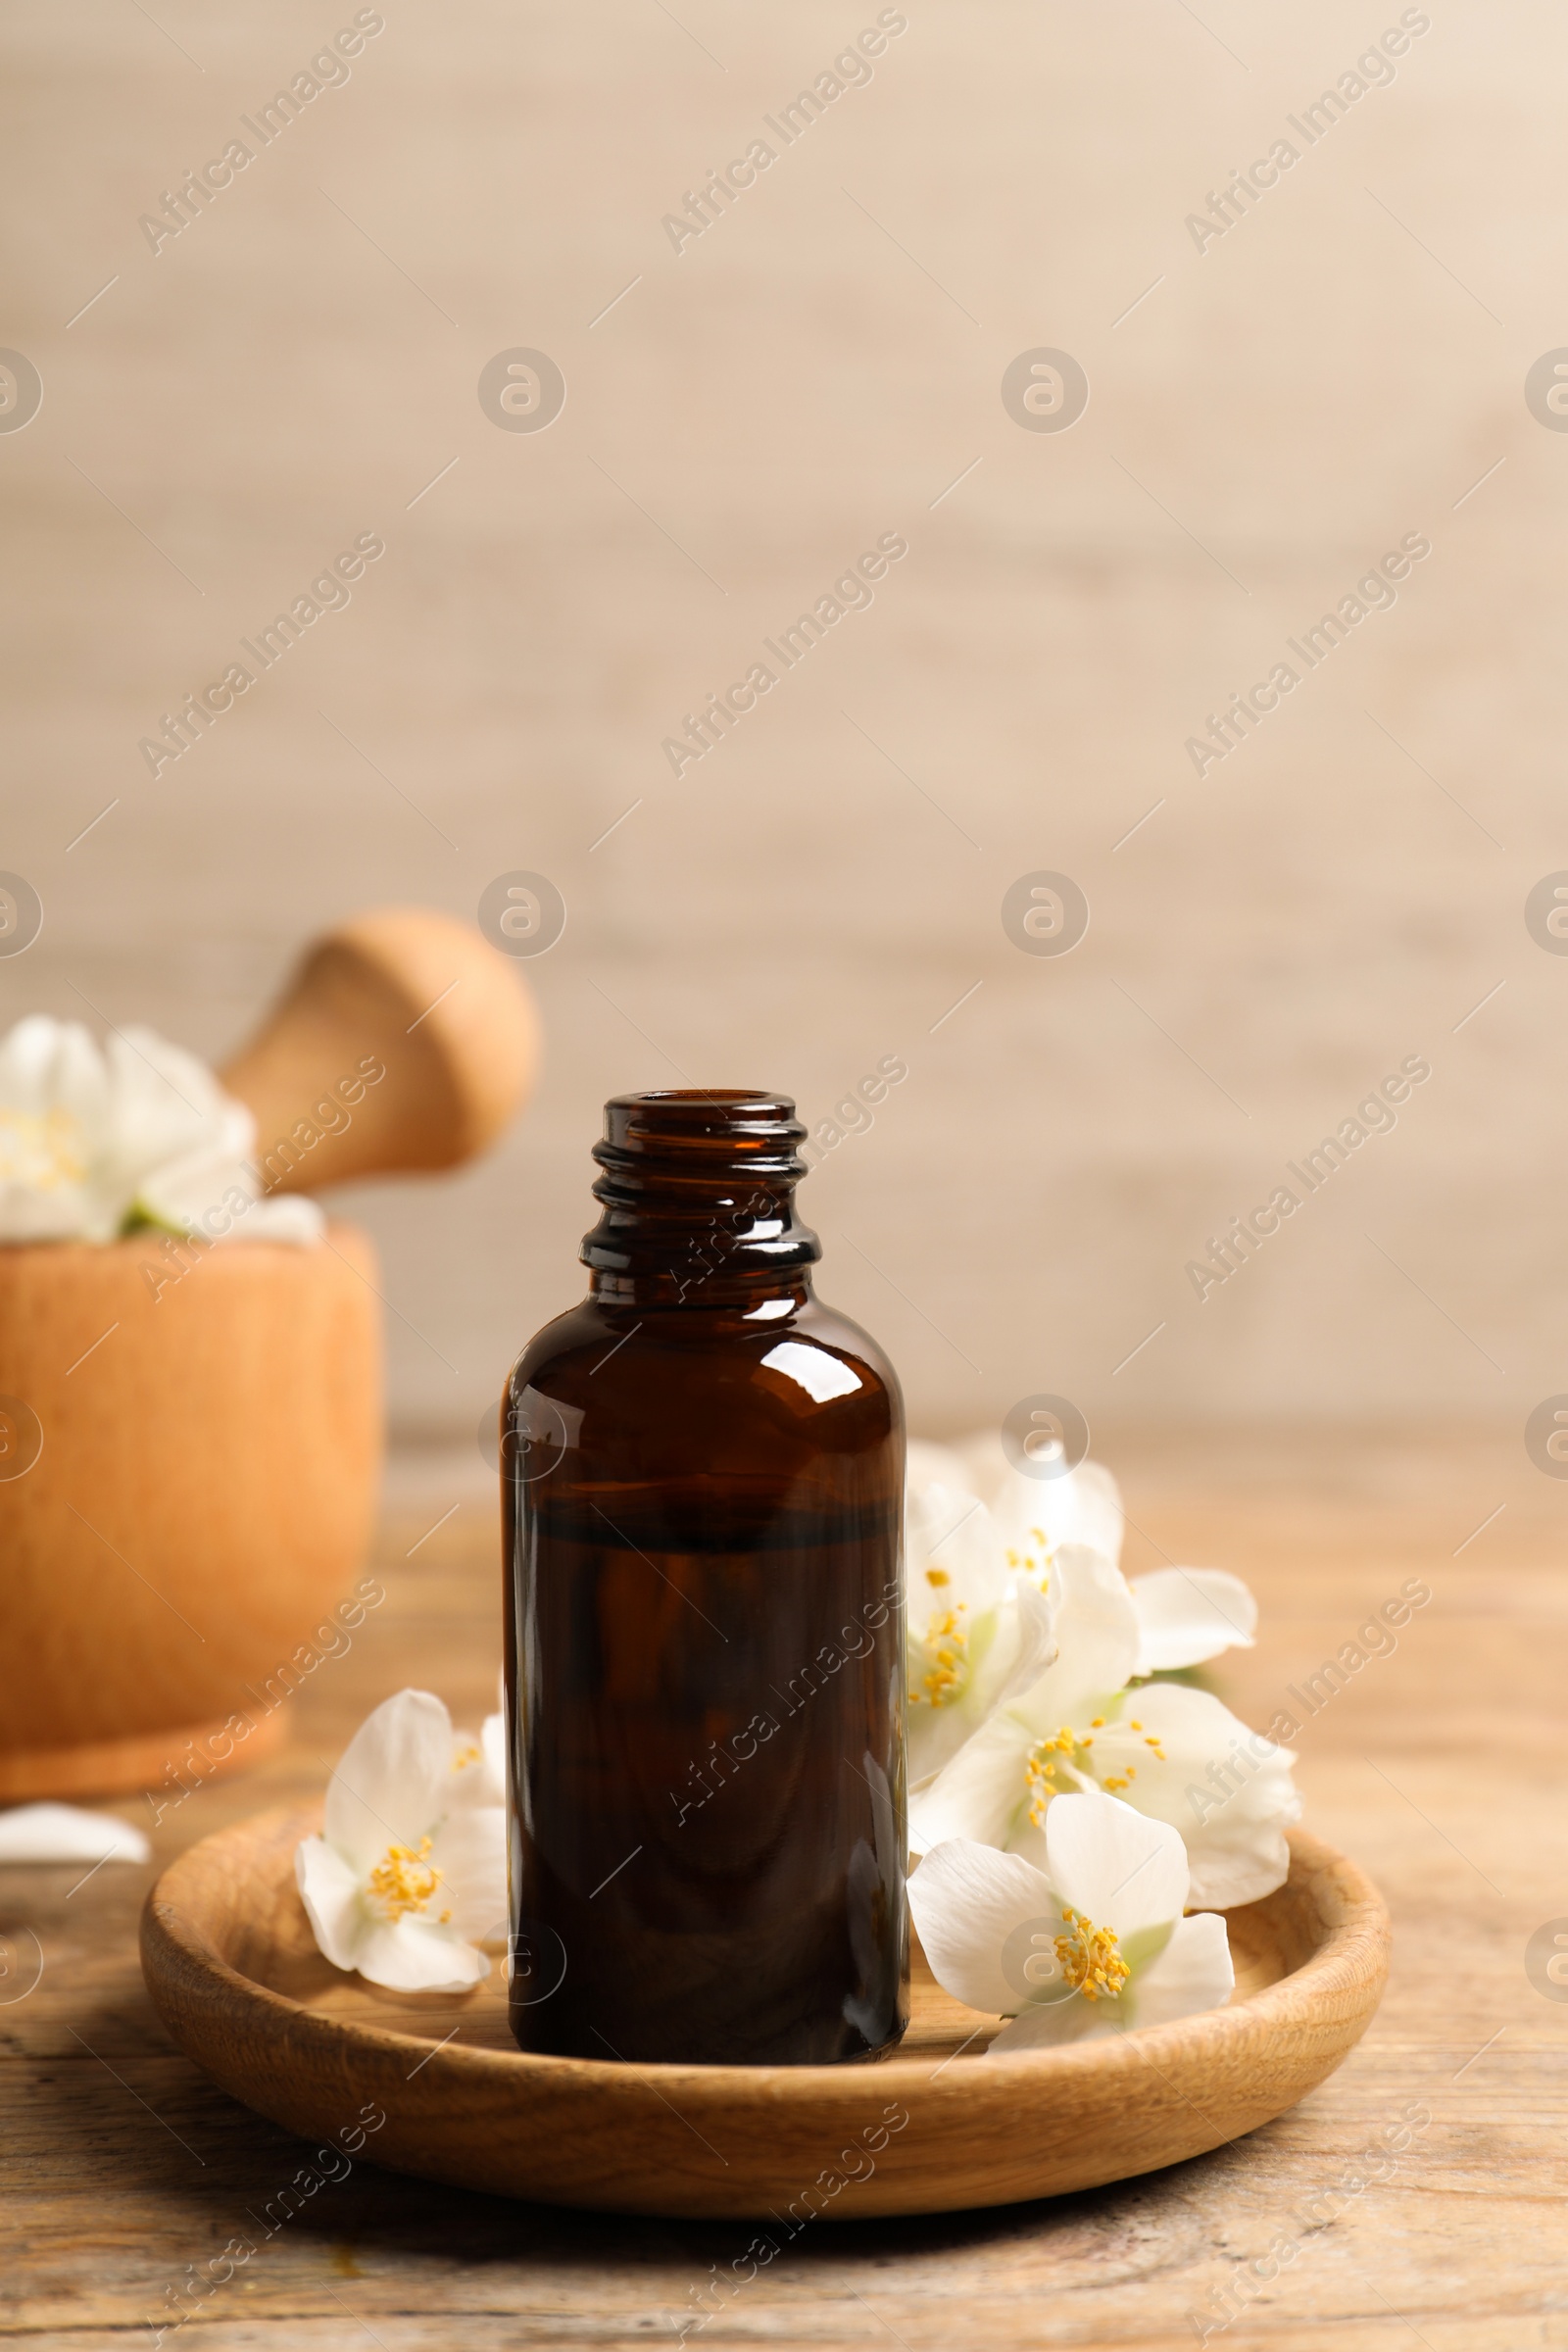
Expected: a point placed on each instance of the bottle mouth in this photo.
(697, 1129)
(698, 1175)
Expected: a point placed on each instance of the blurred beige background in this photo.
(822, 366)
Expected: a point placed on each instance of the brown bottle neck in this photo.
(697, 1198)
(718, 1291)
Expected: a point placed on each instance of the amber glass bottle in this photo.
(702, 1471)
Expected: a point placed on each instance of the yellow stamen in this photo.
(406, 1878)
(1040, 1766)
(937, 1576)
(1035, 1565)
(946, 1641)
(42, 1152)
(1091, 1958)
(1040, 1769)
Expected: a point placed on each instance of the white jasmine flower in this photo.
(1186, 1615)
(411, 1872)
(95, 1141)
(1093, 1944)
(977, 1633)
(1037, 1514)
(1176, 1754)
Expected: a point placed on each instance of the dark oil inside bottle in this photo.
(705, 1666)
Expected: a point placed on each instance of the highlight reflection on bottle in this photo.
(703, 1473)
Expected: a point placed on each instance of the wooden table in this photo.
(1440, 1767)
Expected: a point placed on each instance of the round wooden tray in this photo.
(235, 1976)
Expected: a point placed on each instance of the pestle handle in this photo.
(447, 1020)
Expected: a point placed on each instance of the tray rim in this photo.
(1323, 2006)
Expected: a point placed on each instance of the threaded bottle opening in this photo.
(699, 1175)
(700, 1128)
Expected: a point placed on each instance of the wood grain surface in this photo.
(1416, 2197)
(235, 1977)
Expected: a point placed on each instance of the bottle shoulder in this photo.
(807, 1368)
(563, 1340)
(821, 1325)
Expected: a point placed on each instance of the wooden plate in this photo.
(235, 1976)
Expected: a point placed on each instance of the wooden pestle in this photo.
(417, 996)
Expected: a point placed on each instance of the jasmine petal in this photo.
(1187, 1615)
(410, 1873)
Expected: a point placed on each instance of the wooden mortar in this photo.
(210, 1416)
